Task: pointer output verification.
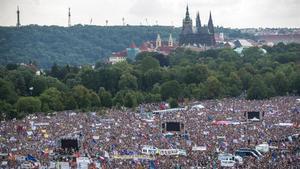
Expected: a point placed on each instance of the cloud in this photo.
(228, 13)
(146, 8)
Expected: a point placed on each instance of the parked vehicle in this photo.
(244, 152)
(228, 160)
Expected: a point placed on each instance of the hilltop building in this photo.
(165, 47)
(159, 46)
(201, 36)
(117, 57)
(132, 51)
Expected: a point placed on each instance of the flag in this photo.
(152, 165)
(30, 158)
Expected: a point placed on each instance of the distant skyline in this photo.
(226, 13)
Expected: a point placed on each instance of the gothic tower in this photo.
(158, 41)
(202, 36)
(198, 23)
(18, 17)
(187, 23)
(211, 30)
(210, 25)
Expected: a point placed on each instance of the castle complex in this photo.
(201, 36)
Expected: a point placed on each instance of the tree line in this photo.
(152, 77)
(78, 44)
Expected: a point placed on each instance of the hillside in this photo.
(78, 44)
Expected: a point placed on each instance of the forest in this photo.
(77, 45)
(152, 77)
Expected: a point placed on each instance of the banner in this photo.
(199, 148)
(171, 152)
(130, 157)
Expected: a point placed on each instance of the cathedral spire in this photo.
(210, 25)
(187, 14)
(198, 23)
(211, 29)
(18, 17)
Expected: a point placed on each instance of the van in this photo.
(247, 152)
(264, 148)
(228, 159)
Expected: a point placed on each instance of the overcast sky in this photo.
(227, 13)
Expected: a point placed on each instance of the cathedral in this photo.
(200, 36)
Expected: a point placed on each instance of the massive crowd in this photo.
(121, 132)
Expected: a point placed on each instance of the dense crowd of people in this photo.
(121, 132)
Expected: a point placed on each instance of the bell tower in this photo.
(158, 41)
(170, 42)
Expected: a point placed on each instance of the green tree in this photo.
(94, 99)
(172, 102)
(234, 85)
(28, 105)
(258, 89)
(280, 83)
(51, 100)
(119, 98)
(148, 63)
(196, 74)
(170, 89)
(7, 111)
(69, 101)
(105, 97)
(39, 84)
(128, 81)
(214, 87)
(53, 82)
(295, 82)
(130, 100)
(7, 92)
(82, 96)
(152, 77)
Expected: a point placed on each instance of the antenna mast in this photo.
(18, 17)
(69, 18)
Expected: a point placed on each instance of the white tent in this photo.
(198, 107)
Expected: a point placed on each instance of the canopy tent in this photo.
(198, 106)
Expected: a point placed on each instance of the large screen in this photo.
(253, 114)
(172, 126)
(69, 144)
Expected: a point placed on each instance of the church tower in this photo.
(211, 30)
(201, 36)
(198, 23)
(158, 41)
(18, 17)
(170, 42)
(187, 23)
(210, 25)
